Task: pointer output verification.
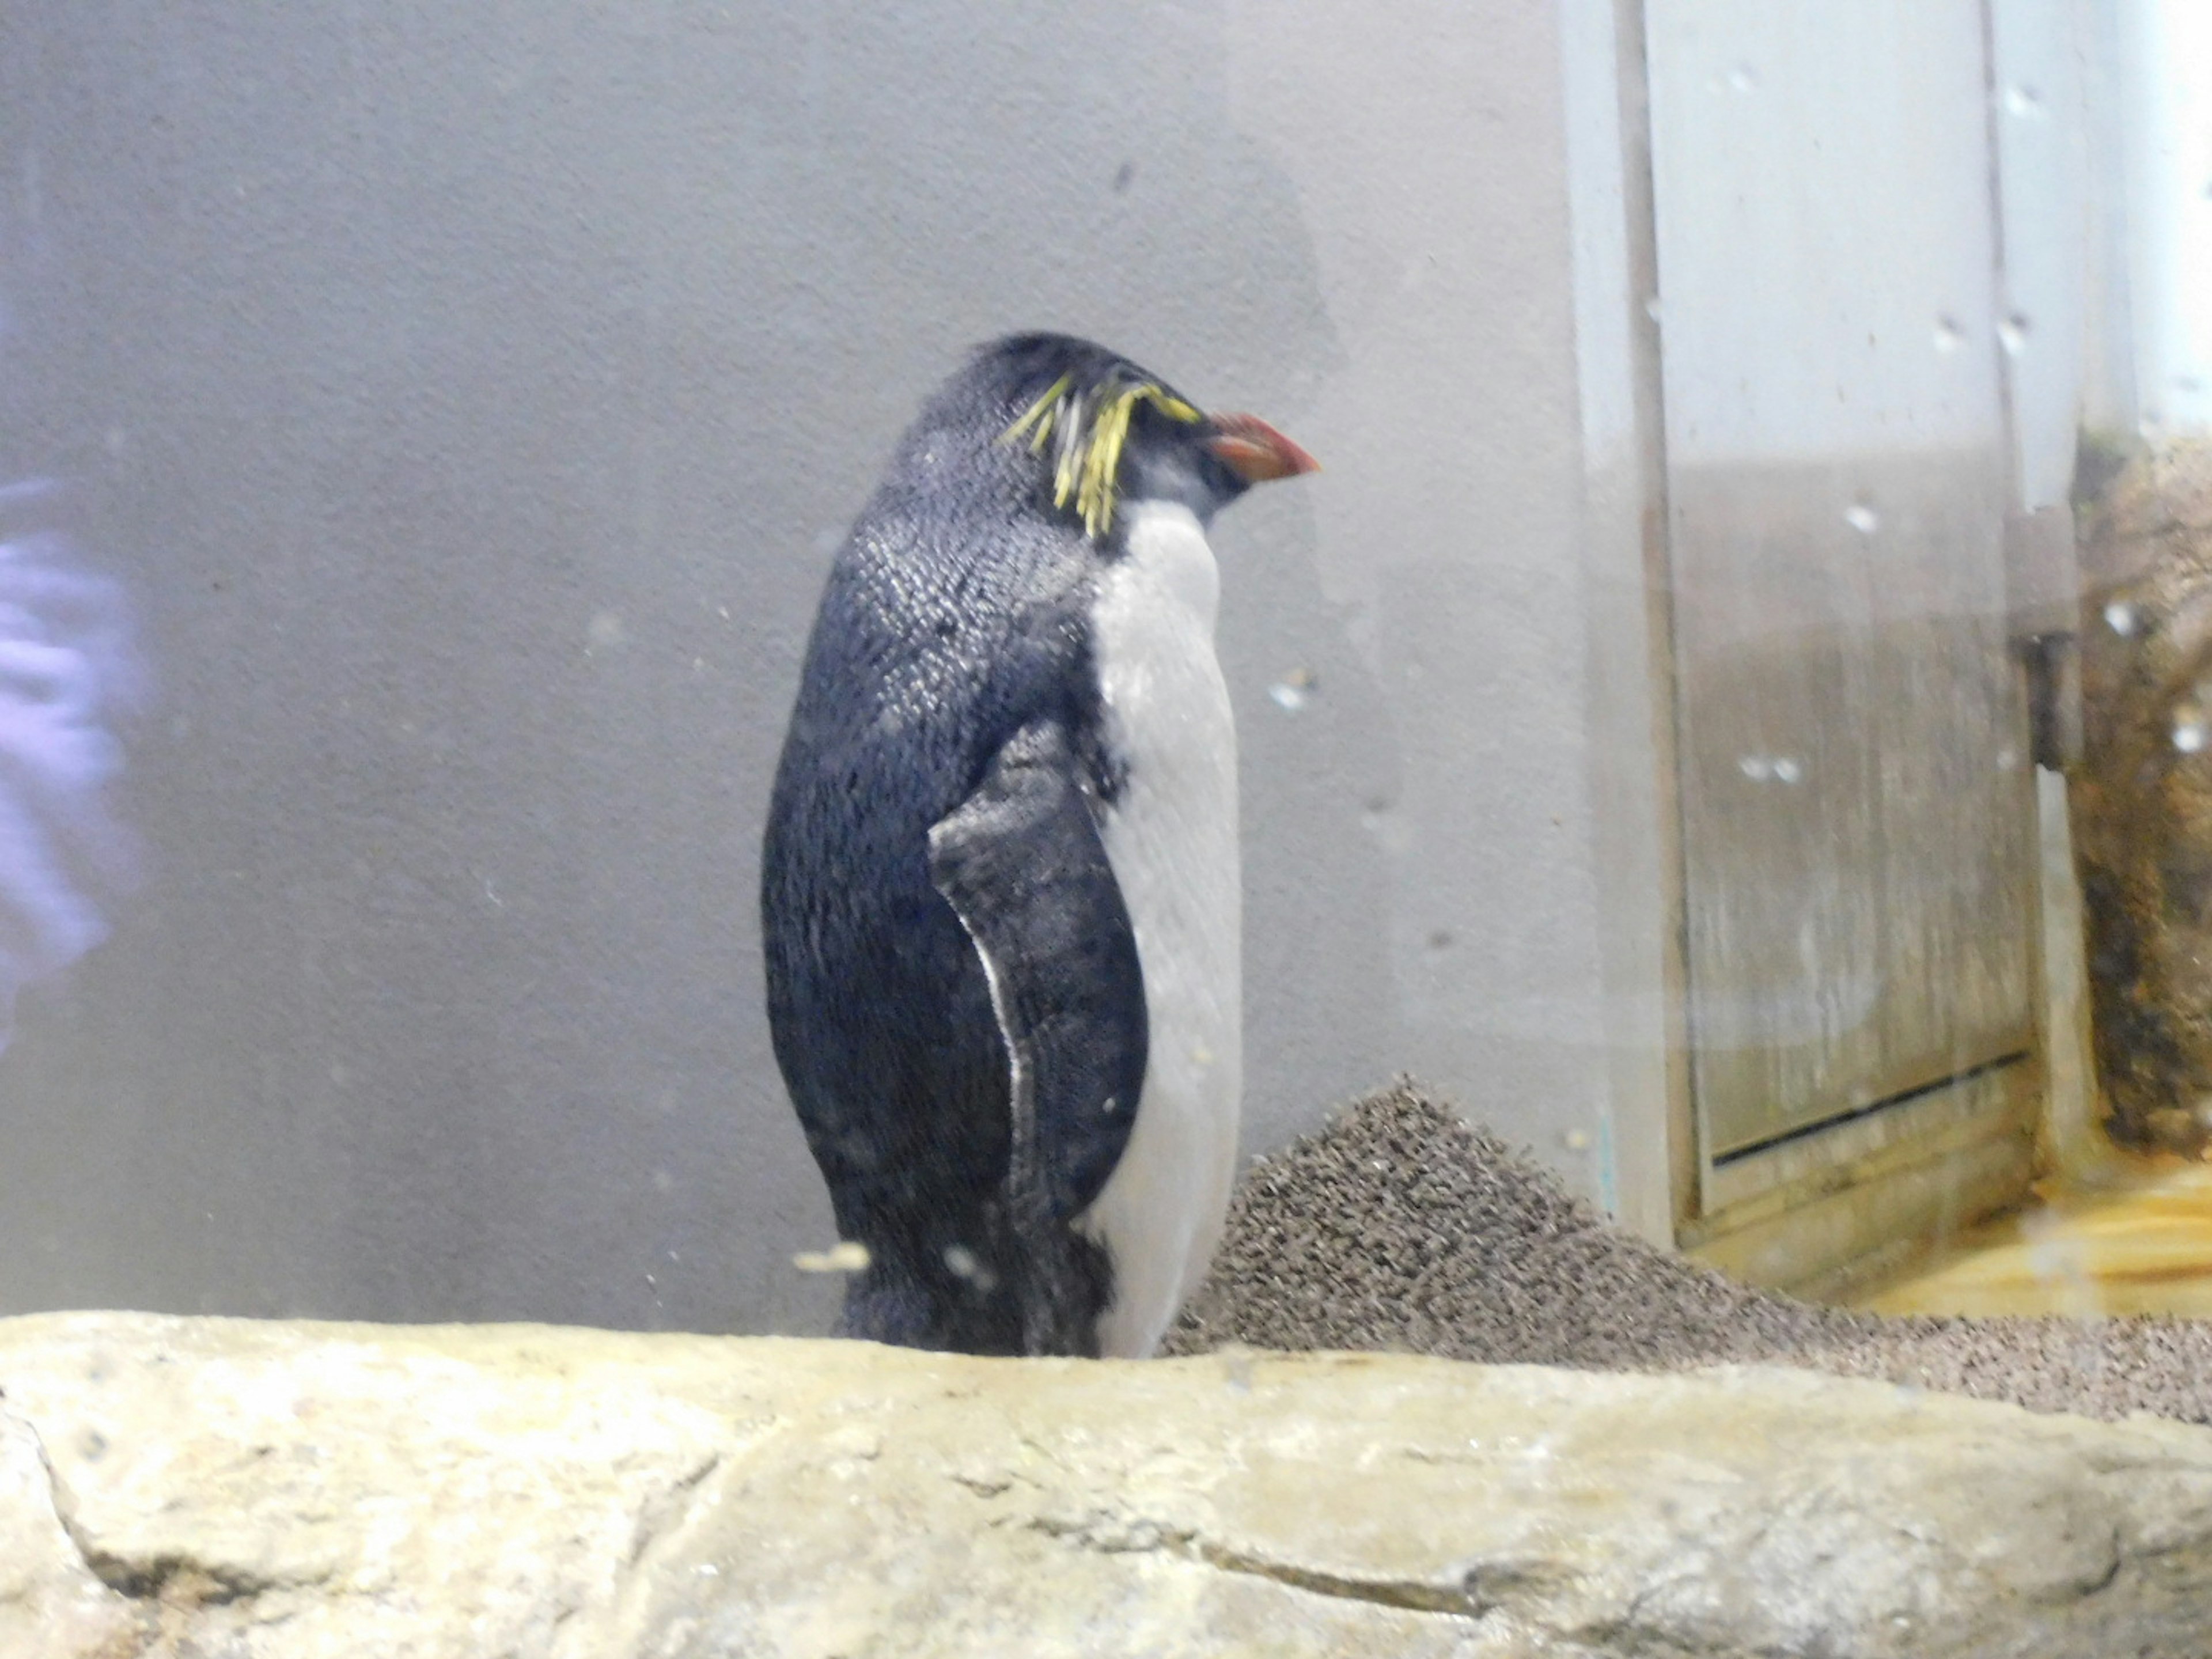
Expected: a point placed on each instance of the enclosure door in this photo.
(1857, 793)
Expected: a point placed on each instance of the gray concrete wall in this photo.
(470, 397)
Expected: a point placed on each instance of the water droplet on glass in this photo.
(604, 632)
(2012, 334)
(1576, 1140)
(2189, 736)
(2120, 617)
(1755, 767)
(1652, 307)
(1743, 78)
(1294, 690)
(1862, 518)
(847, 1256)
(2023, 102)
(2008, 759)
(1949, 337)
(1787, 770)
(962, 1262)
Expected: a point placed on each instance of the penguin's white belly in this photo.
(1170, 836)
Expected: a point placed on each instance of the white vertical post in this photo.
(2167, 85)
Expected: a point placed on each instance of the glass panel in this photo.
(1579, 740)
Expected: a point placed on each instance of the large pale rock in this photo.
(217, 1488)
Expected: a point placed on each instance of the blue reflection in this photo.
(68, 666)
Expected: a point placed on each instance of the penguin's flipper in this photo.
(1021, 862)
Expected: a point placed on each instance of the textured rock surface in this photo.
(2141, 798)
(217, 1488)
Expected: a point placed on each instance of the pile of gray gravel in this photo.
(1400, 1228)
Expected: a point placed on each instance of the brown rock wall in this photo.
(2142, 796)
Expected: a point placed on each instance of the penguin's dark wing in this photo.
(1021, 863)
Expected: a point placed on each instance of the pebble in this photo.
(1400, 1228)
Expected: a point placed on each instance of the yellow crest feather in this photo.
(1090, 429)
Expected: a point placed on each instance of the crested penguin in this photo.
(1000, 893)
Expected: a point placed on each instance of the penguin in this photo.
(999, 884)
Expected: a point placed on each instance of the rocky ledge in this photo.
(201, 1486)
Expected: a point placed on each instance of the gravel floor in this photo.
(1399, 1227)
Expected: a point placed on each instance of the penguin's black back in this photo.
(954, 615)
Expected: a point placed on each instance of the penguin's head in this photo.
(1100, 432)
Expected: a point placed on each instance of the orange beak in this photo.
(1255, 452)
